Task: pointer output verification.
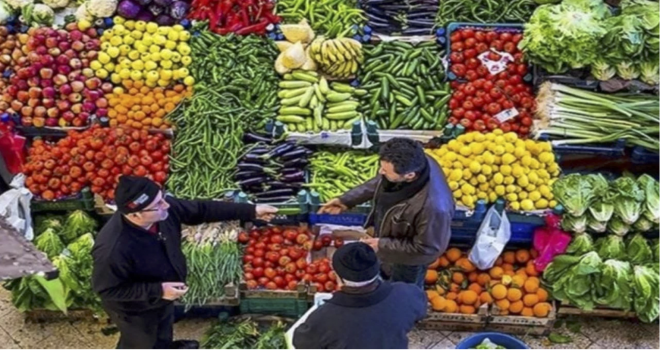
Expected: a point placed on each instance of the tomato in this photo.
(524, 130)
(458, 69)
(311, 269)
(330, 286)
(507, 104)
(515, 126)
(258, 272)
(324, 268)
(472, 63)
(466, 123)
(258, 261)
(453, 103)
(480, 36)
(518, 57)
(455, 36)
(459, 95)
(134, 147)
(271, 285)
(527, 102)
(263, 281)
(277, 239)
(284, 260)
(515, 79)
(280, 282)
(478, 102)
(302, 238)
(479, 125)
(458, 112)
(292, 285)
(456, 57)
(506, 36)
(319, 287)
(470, 90)
(270, 273)
(290, 234)
(252, 284)
(467, 105)
(326, 240)
(470, 53)
(493, 108)
(318, 245)
(494, 56)
(321, 278)
(160, 177)
(308, 277)
(470, 42)
(258, 252)
(471, 75)
(510, 47)
(521, 69)
(470, 115)
(273, 257)
(457, 46)
(490, 36)
(481, 48)
(467, 33)
(338, 242)
(300, 274)
(295, 253)
(455, 84)
(260, 244)
(516, 38)
(140, 171)
(506, 127)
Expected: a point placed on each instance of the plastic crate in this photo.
(641, 155)
(293, 308)
(346, 138)
(498, 27)
(582, 79)
(523, 226)
(616, 149)
(356, 216)
(376, 136)
(84, 201)
(292, 211)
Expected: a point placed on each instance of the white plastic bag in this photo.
(493, 234)
(15, 207)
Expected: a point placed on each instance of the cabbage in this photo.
(611, 247)
(656, 250)
(50, 243)
(627, 199)
(77, 224)
(651, 188)
(602, 210)
(581, 244)
(617, 226)
(645, 293)
(638, 250)
(576, 193)
(43, 222)
(614, 287)
(642, 225)
(574, 224)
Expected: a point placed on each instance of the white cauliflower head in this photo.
(101, 8)
(56, 4)
(83, 14)
(17, 4)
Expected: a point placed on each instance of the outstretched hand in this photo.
(334, 207)
(265, 212)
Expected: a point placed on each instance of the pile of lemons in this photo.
(144, 51)
(499, 165)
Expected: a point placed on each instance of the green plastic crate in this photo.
(85, 201)
(293, 308)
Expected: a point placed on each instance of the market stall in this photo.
(286, 103)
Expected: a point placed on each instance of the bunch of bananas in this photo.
(337, 57)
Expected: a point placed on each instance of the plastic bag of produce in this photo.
(294, 57)
(493, 234)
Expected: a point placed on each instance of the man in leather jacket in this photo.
(412, 209)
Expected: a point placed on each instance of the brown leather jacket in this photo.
(415, 231)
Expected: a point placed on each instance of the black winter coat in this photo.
(130, 263)
(380, 319)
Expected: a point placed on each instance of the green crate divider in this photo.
(84, 202)
(294, 308)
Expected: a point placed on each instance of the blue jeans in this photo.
(409, 274)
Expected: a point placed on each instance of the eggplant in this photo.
(254, 158)
(252, 181)
(295, 153)
(251, 166)
(279, 150)
(280, 184)
(249, 137)
(378, 2)
(246, 174)
(295, 162)
(417, 31)
(261, 149)
(420, 23)
(375, 18)
(297, 176)
(376, 11)
(291, 170)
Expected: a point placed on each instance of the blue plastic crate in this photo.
(640, 155)
(616, 149)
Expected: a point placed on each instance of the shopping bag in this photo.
(15, 207)
(549, 241)
(12, 151)
(493, 234)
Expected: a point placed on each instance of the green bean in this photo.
(484, 11)
(334, 18)
(335, 173)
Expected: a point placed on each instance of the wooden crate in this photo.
(455, 322)
(521, 325)
(566, 309)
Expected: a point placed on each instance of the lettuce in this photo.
(638, 250)
(627, 199)
(651, 188)
(614, 286)
(617, 226)
(645, 293)
(601, 70)
(574, 224)
(627, 71)
(642, 225)
(576, 283)
(611, 247)
(77, 224)
(576, 193)
(656, 250)
(595, 225)
(649, 72)
(50, 243)
(581, 244)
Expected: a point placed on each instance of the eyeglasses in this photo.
(158, 205)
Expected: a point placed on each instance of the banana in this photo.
(335, 51)
(342, 50)
(327, 53)
(316, 45)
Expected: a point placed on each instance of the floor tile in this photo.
(191, 329)
(579, 340)
(424, 339)
(457, 337)
(5, 302)
(443, 344)
(92, 333)
(63, 341)
(6, 342)
(26, 334)
(618, 334)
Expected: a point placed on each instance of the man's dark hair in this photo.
(406, 155)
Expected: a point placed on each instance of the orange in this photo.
(530, 300)
(514, 294)
(453, 254)
(438, 303)
(430, 294)
(431, 277)
(499, 292)
(518, 281)
(452, 296)
(458, 277)
(507, 267)
(465, 265)
(532, 285)
(522, 256)
(454, 287)
(440, 290)
(527, 312)
(516, 307)
(503, 304)
(451, 307)
(443, 261)
(467, 309)
(470, 297)
(522, 272)
(541, 309)
(542, 294)
(486, 298)
(483, 279)
(475, 288)
(496, 272)
(509, 257)
(534, 253)
(498, 262)
(531, 270)
(472, 277)
(434, 265)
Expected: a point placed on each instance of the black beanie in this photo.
(356, 262)
(135, 193)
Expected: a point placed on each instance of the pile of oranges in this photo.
(142, 107)
(454, 285)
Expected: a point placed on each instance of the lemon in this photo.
(508, 180)
(136, 75)
(543, 174)
(150, 65)
(147, 39)
(456, 175)
(189, 80)
(116, 41)
(518, 152)
(125, 73)
(499, 150)
(465, 161)
(523, 181)
(488, 158)
(512, 197)
(531, 147)
(511, 137)
(544, 191)
(159, 40)
(141, 47)
(110, 67)
(500, 190)
(486, 169)
(479, 137)
(95, 65)
(136, 34)
(527, 205)
(514, 206)
(510, 188)
(477, 148)
(482, 195)
(167, 65)
(118, 20)
(184, 35)
(475, 167)
(552, 203)
(509, 148)
(173, 35)
(453, 185)
(154, 48)
(541, 204)
(124, 49)
(505, 170)
(183, 72)
(467, 189)
(535, 196)
(533, 177)
(457, 165)
(151, 84)
(465, 151)
(508, 158)
(183, 49)
(134, 55)
(155, 56)
(466, 174)
(163, 30)
(454, 145)
(105, 46)
(166, 54)
(137, 65)
(492, 197)
(530, 187)
(458, 194)
(140, 26)
(498, 132)
(517, 171)
(101, 73)
(498, 178)
(490, 136)
(473, 181)
(450, 156)
(115, 78)
(170, 45)
(496, 168)
(522, 195)
(163, 83)
(152, 76)
(129, 40)
(130, 24)
(118, 29)
(546, 157)
(118, 90)
(151, 27)
(483, 186)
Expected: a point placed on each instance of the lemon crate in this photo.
(83, 201)
(287, 303)
(441, 321)
(521, 325)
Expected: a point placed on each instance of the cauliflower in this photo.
(38, 15)
(5, 12)
(83, 14)
(101, 8)
(56, 4)
(18, 4)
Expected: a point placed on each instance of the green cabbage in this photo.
(576, 193)
(627, 199)
(611, 247)
(638, 250)
(43, 222)
(614, 289)
(602, 209)
(645, 293)
(617, 226)
(651, 188)
(77, 224)
(50, 243)
(656, 250)
(574, 224)
(581, 244)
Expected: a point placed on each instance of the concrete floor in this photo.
(16, 333)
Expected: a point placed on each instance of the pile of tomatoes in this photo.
(276, 258)
(479, 96)
(95, 158)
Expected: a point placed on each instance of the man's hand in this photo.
(265, 212)
(334, 207)
(372, 242)
(174, 290)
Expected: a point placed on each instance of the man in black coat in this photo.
(139, 268)
(367, 313)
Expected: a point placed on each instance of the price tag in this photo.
(498, 66)
(325, 135)
(506, 114)
(445, 62)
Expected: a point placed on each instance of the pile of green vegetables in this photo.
(332, 174)
(405, 85)
(484, 11)
(574, 116)
(235, 91)
(593, 204)
(584, 33)
(68, 242)
(608, 273)
(214, 260)
(333, 18)
(245, 334)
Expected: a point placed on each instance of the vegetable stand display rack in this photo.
(441, 321)
(83, 201)
(274, 302)
(566, 309)
(521, 324)
(293, 211)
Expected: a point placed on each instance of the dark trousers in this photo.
(149, 330)
(409, 274)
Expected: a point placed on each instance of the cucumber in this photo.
(304, 101)
(342, 115)
(294, 84)
(342, 108)
(339, 87)
(337, 97)
(304, 76)
(290, 119)
(295, 111)
(291, 101)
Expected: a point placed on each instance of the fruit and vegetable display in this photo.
(232, 16)
(272, 173)
(309, 103)
(608, 273)
(405, 85)
(416, 17)
(339, 58)
(94, 158)
(154, 105)
(499, 165)
(455, 285)
(574, 116)
(484, 11)
(623, 45)
(245, 334)
(491, 92)
(213, 258)
(68, 241)
(618, 207)
(333, 18)
(333, 173)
